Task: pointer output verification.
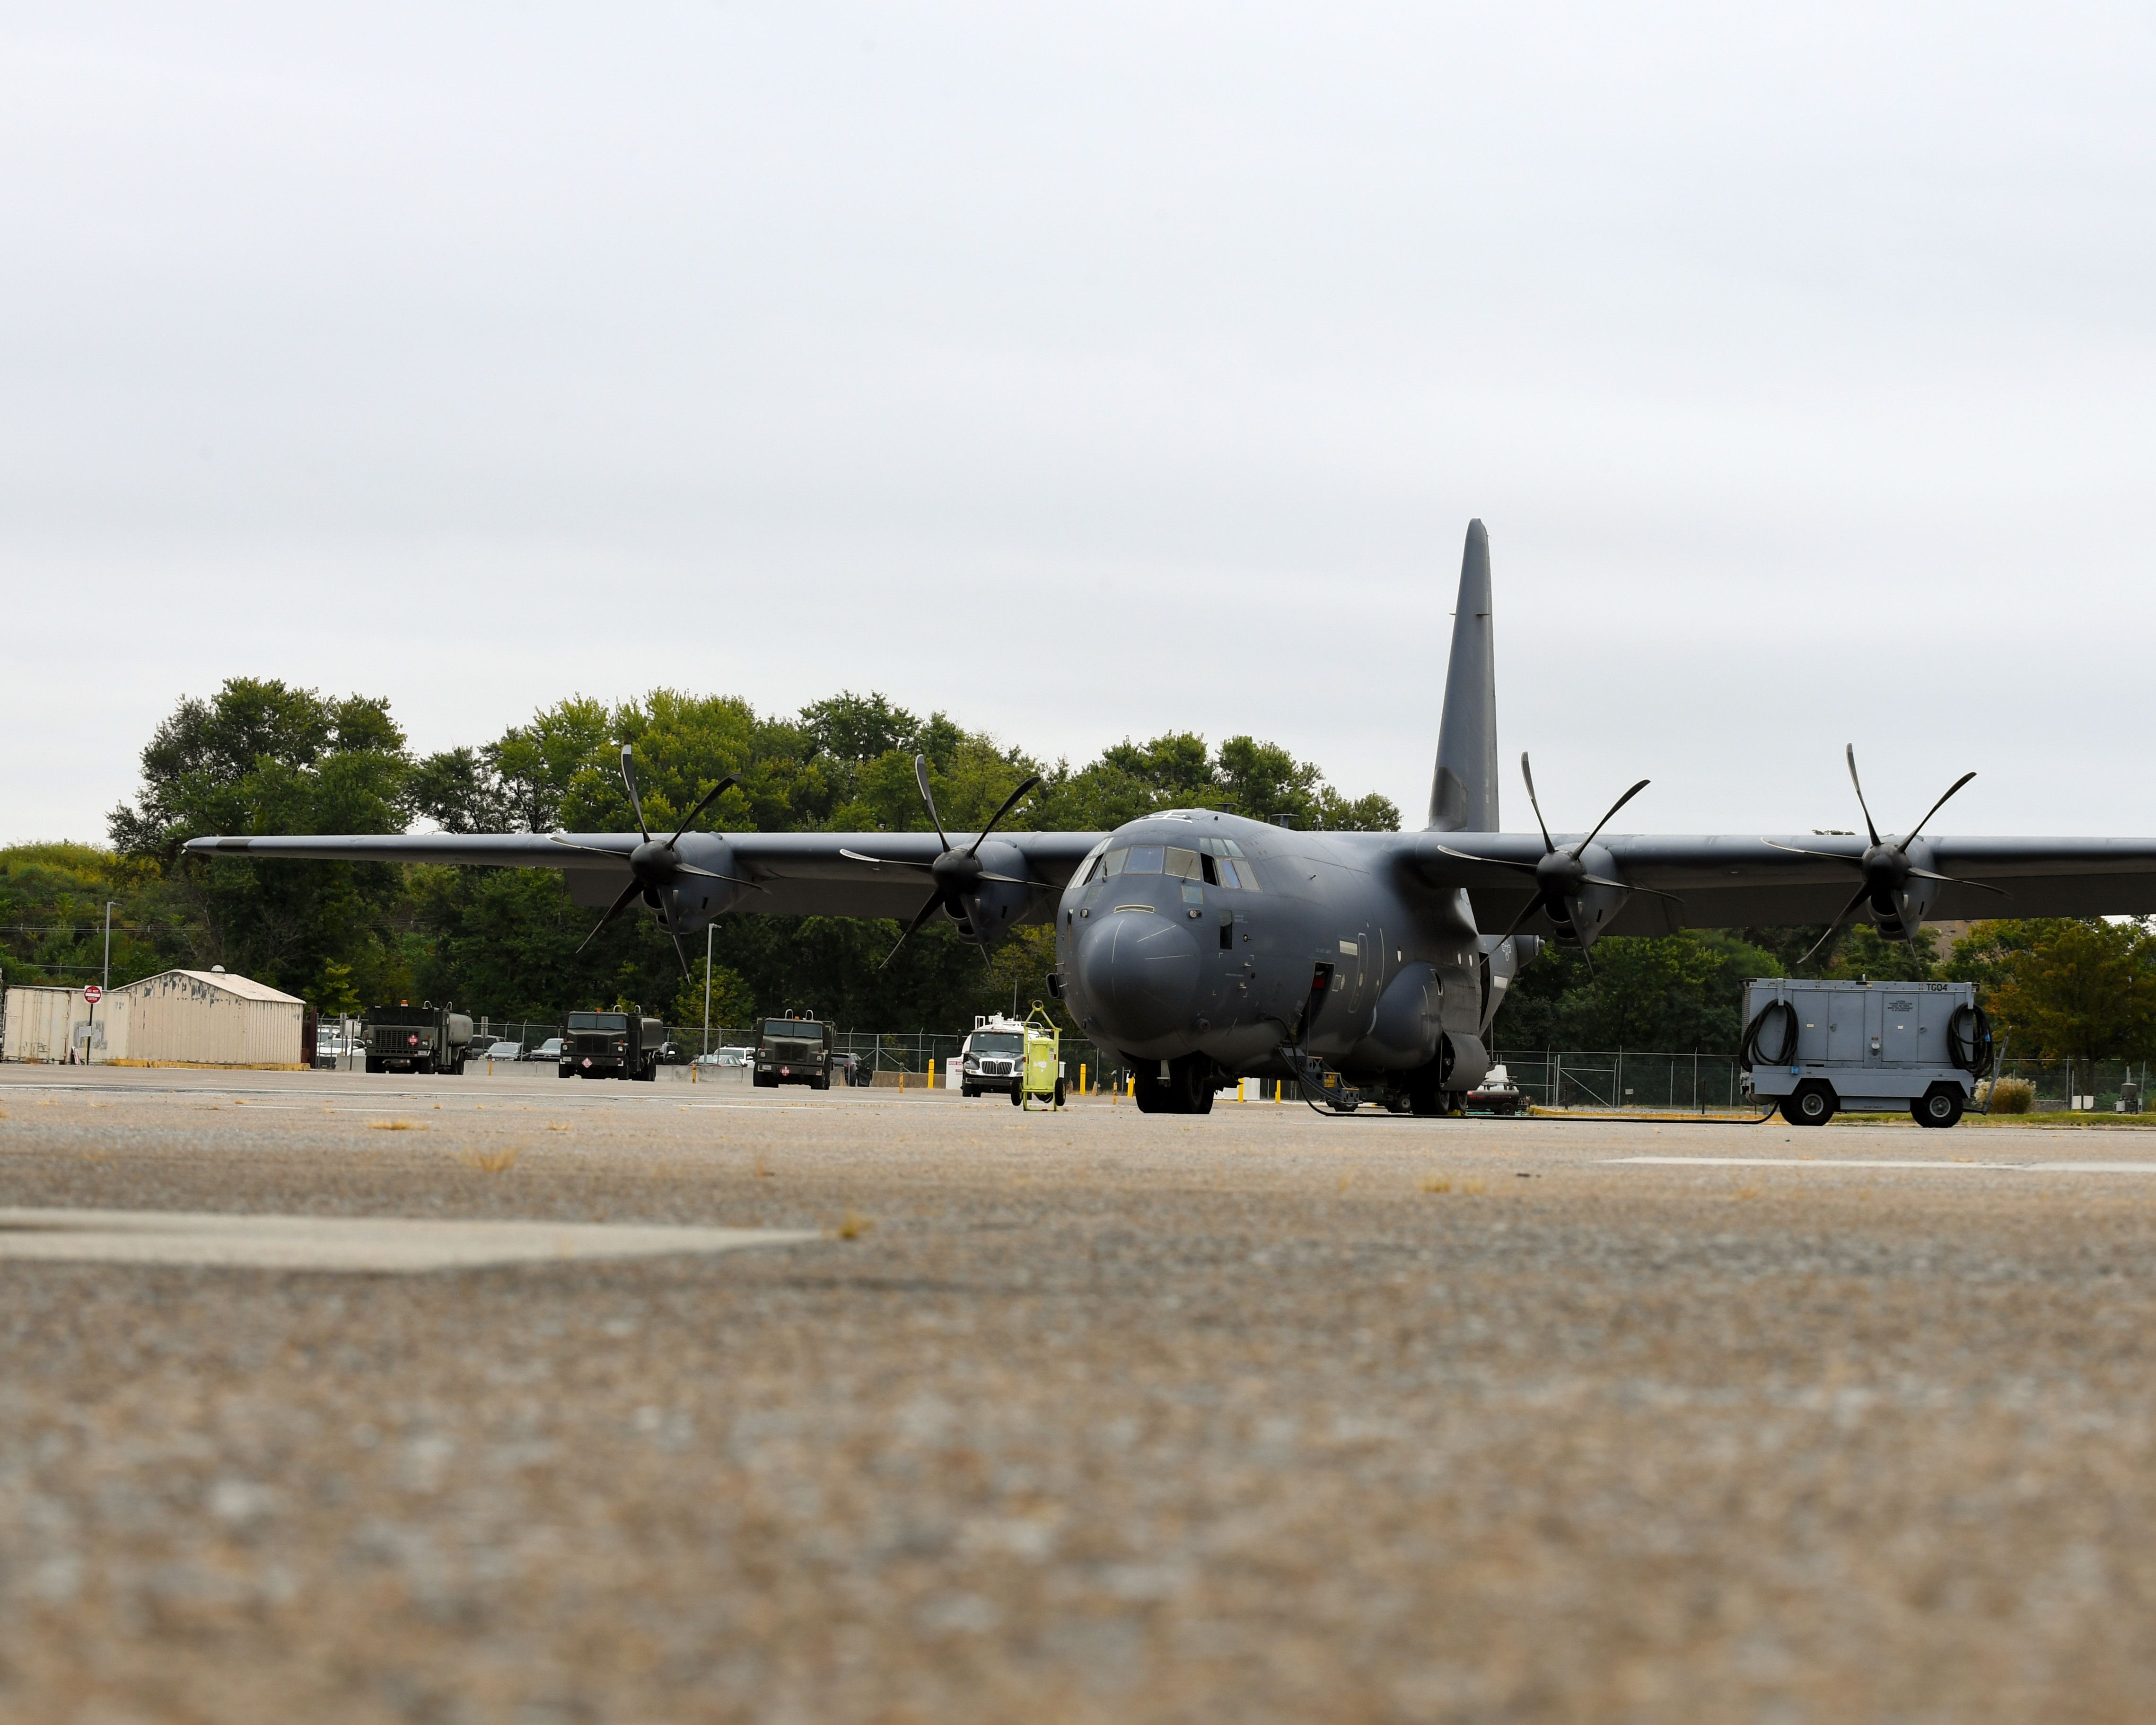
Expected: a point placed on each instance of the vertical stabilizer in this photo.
(1463, 794)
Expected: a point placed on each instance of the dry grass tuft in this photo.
(491, 1162)
(2009, 1096)
(762, 1170)
(1437, 1182)
(557, 1125)
(395, 1125)
(852, 1226)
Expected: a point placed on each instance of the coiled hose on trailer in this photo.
(1755, 1051)
(1969, 1040)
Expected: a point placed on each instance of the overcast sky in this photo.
(1094, 371)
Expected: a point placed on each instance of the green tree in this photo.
(261, 757)
(51, 916)
(1682, 993)
(2079, 988)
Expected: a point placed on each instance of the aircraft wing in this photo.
(790, 874)
(1729, 881)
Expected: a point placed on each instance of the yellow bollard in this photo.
(932, 1072)
(1081, 1078)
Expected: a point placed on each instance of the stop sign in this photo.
(92, 993)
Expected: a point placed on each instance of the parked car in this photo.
(725, 1057)
(503, 1050)
(550, 1049)
(672, 1053)
(846, 1069)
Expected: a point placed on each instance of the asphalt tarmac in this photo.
(1079, 1416)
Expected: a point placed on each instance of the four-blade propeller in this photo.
(1885, 866)
(655, 864)
(956, 873)
(1560, 875)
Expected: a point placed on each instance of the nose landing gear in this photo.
(1185, 1087)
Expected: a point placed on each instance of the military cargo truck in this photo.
(612, 1044)
(423, 1037)
(792, 1051)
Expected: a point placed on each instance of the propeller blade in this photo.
(1627, 886)
(920, 916)
(1527, 774)
(1823, 855)
(927, 796)
(620, 856)
(682, 953)
(629, 782)
(704, 802)
(1572, 910)
(1009, 803)
(1841, 917)
(1849, 749)
(1494, 861)
(1013, 880)
(1580, 847)
(885, 862)
(1936, 807)
(634, 889)
(1512, 928)
(1956, 880)
(713, 875)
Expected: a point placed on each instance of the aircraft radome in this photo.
(1203, 946)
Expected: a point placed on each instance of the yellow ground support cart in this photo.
(1044, 1061)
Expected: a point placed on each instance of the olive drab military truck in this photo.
(791, 1050)
(425, 1038)
(611, 1044)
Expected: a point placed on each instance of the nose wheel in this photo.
(1188, 1088)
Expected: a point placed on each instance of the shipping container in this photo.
(40, 1023)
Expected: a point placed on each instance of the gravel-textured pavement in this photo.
(1086, 1416)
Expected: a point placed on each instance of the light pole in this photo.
(108, 944)
(708, 928)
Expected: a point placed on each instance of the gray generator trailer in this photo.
(1816, 1048)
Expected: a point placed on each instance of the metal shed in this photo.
(202, 1017)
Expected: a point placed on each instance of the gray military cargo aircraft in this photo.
(1203, 946)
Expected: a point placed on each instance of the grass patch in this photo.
(395, 1125)
(852, 1226)
(490, 1162)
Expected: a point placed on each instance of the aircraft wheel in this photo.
(1940, 1106)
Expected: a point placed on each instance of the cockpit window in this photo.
(1142, 860)
(1237, 874)
(1181, 863)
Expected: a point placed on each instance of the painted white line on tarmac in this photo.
(377, 1244)
(2018, 1168)
(1806, 1162)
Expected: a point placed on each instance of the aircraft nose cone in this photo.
(1140, 974)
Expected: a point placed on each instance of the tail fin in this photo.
(1463, 795)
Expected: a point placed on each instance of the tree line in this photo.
(263, 757)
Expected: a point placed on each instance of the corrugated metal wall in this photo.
(38, 1021)
(182, 1019)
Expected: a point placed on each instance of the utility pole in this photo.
(708, 928)
(108, 944)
